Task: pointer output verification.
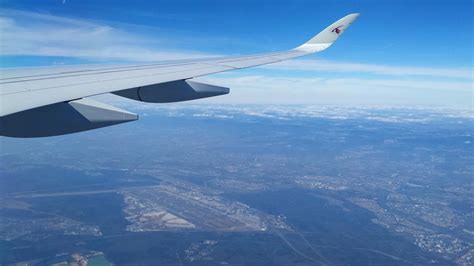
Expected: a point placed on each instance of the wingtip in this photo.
(329, 35)
(353, 16)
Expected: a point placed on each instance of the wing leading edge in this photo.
(32, 95)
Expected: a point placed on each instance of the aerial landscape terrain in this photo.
(245, 184)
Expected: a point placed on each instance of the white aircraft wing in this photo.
(47, 101)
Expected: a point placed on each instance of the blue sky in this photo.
(397, 53)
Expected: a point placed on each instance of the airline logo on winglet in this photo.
(337, 29)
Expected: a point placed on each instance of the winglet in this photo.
(328, 36)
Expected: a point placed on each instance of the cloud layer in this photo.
(386, 114)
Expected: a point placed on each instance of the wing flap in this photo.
(63, 118)
(174, 91)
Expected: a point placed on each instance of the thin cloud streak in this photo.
(297, 90)
(33, 34)
(265, 82)
(331, 66)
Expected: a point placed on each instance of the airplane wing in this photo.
(48, 101)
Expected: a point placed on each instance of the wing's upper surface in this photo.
(24, 89)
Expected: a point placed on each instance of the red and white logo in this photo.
(337, 29)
